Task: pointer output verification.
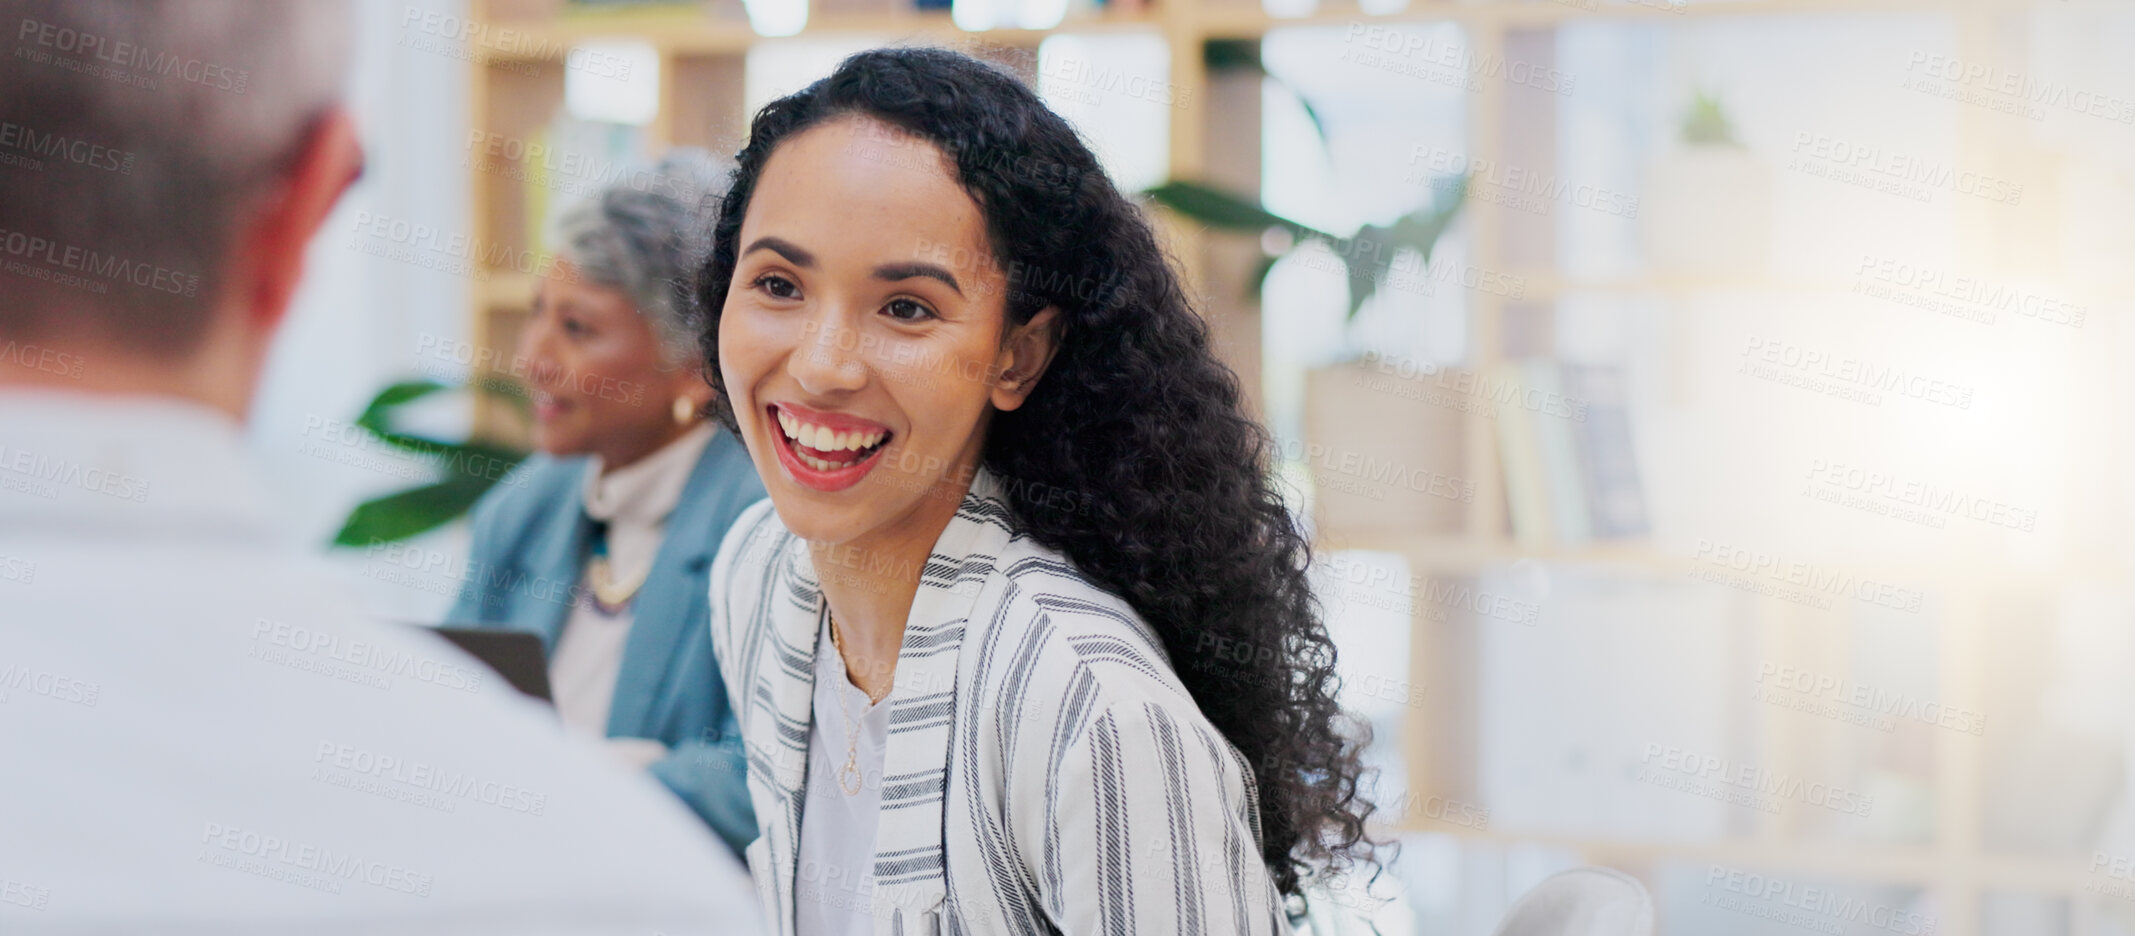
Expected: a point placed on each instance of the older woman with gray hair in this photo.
(604, 543)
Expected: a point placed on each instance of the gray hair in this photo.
(646, 235)
(133, 134)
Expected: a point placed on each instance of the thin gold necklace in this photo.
(839, 642)
(849, 776)
(609, 595)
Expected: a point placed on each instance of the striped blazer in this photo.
(1046, 771)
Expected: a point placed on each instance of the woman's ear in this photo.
(1024, 357)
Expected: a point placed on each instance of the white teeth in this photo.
(824, 439)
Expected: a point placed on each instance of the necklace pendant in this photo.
(609, 596)
(849, 777)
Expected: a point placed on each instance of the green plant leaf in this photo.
(1222, 210)
(1705, 122)
(1421, 230)
(1418, 230)
(1368, 256)
(469, 469)
(377, 417)
(412, 512)
(1230, 54)
(1370, 241)
(420, 445)
(393, 397)
(510, 391)
(459, 457)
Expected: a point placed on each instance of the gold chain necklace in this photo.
(849, 776)
(610, 597)
(610, 592)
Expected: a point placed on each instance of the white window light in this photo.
(773, 70)
(977, 15)
(1116, 90)
(980, 15)
(615, 81)
(1041, 14)
(777, 17)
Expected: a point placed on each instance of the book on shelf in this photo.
(585, 158)
(1564, 444)
(1609, 463)
(1519, 451)
(1569, 519)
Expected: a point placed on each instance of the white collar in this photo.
(647, 490)
(89, 461)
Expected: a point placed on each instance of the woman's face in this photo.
(863, 340)
(594, 367)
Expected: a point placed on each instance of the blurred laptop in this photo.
(515, 655)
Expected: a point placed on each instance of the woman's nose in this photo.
(537, 359)
(830, 356)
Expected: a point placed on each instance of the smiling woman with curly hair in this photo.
(1022, 639)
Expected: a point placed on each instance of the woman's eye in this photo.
(572, 326)
(777, 286)
(906, 310)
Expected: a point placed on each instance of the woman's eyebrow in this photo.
(784, 248)
(892, 272)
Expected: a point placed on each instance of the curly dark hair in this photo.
(1178, 513)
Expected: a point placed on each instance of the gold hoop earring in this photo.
(685, 411)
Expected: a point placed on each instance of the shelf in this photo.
(692, 28)
(1919, 866)
(1544, 283)
(1454, 554)
(1244, 21)
(507, 291)
(691, 31)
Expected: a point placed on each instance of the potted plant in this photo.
(1708, 205)
(1383, 445)
(466, 469)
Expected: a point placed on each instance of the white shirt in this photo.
(202, 736)
(636, 501)
(837, 850)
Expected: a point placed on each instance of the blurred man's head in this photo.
(163, 164)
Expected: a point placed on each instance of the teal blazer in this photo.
(531, 542)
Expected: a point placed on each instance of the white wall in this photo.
(357, 319)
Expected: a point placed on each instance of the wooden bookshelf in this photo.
(702, 49)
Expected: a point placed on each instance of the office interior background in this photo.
(1732, 492)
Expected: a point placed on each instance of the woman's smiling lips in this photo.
(824, 451)
(548, 406)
